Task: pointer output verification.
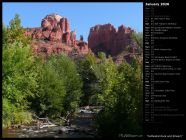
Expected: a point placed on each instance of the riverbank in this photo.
(81, 125)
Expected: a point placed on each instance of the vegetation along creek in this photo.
(57, 86)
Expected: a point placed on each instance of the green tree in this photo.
(107, 79)
(4, 36)
(73, 83)
(122, 114)
(19, 75)
(51, 93)
(88, 78)
(130, 98)
(99, 78)
(59, 88)
(15, 32)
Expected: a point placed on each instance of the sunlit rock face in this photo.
(106, 38)
(54, 33)
(113, 41)
(55, 36)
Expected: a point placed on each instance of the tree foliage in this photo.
(15, 32)
(88, 78)
(19, 77)
(59, 87)
(124, 116)
(138, 37)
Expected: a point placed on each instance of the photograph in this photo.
(72, 70)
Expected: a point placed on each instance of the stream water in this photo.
(80, 126)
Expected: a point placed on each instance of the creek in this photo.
(80, 126)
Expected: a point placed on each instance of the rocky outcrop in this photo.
(107, 39)
(53, 34)
(82, 47)
(101, 38)
(113, 41)
(48, 47)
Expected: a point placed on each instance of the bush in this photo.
(7, 114)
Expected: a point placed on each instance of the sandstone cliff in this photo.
(54, 36)
(115, 42)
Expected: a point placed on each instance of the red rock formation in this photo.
(81, 38)
(101, 38)
(53, 28)
(51, 21)
(105, 38)
(83, 47)
(53, 34)
(62, 25)
(67, 25)
(49, 47)
(73, 37)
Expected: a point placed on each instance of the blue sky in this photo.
(81, 16)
